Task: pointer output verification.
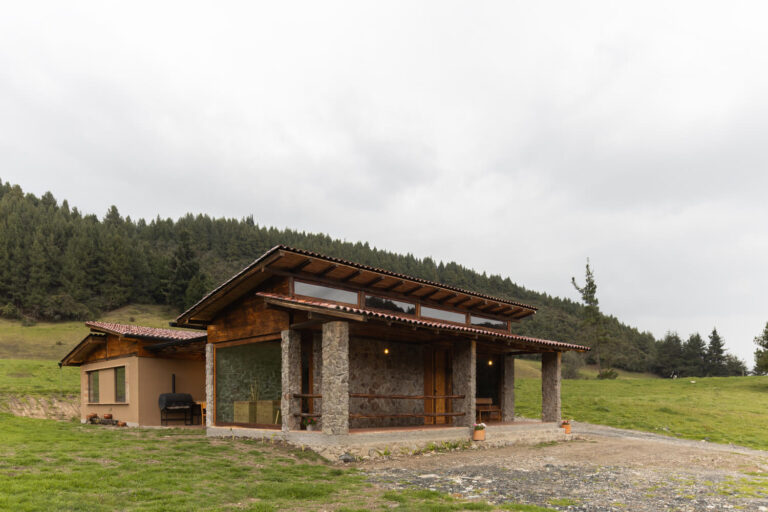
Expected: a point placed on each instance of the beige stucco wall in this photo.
(156, 379)
(128, 411)
(146, 378)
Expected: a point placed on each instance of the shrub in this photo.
(9, 311)
(607, 373)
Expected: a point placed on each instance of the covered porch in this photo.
(363, 387)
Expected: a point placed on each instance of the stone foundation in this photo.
(399, 442)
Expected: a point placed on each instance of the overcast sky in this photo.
(514, 138)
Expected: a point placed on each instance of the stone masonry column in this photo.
(291, 379)
(550, 386)
(335, 385)
(209, 405)
(508, 391)
(464, 381)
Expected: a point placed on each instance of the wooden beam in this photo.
(449, 297)
(326, 270)
(351, 276)
(428, 295)
(393, 286)
(300, 266)
(462, 301)
(414, 290)
(373, 281)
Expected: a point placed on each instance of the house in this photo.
(344, 357)
(125, 368)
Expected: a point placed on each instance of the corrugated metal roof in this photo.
(420, 322)
(138, 331)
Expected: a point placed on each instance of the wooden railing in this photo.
(388, 397)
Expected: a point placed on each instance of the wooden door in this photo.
(437, 382)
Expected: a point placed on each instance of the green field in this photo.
(718, 409)
(52, 340)
(53, 465)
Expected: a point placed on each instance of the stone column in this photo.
(464, 381)
(291, 379)
(335, 384)
(550, 386)
(209, 398)
(508, 390)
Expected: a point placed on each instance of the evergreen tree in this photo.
(761, 353)
(669, 356)
(694, 357)
(716, 363)
(184, 268)
(592, 319)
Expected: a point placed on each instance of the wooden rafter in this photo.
(374, 281)
(393, 286)
(327, 270)
(351, 276)
(301, 265)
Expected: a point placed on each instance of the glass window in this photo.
(248, 384)
(324, 292)
(479, 321)
(441, 314)
(120, 384)
(398, 306)
(93, 387)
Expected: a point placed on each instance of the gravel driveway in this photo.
(603, 469)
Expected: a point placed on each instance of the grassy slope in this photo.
(719, 409)
(49, 465)
(36, 377)
(49, 340)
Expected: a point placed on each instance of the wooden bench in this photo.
(485, 405)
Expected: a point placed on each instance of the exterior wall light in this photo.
(490, 362)
(386, 351)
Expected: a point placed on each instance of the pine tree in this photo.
(761, 353)
(669, 356)
(184, 268)
(594, 332)
(694, 356)
(716, 366)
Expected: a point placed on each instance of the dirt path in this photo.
(605, 469)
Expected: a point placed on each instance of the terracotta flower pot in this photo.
(122, 424)
(478, 435)
(567, 428)
(91, 416)
(107, 416)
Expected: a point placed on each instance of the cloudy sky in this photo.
(518, 138)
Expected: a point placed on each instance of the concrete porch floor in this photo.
(374, 442)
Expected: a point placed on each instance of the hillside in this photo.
(52, 340)
(57, 264)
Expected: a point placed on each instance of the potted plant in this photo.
(566, 424)
(309, 424)
(479, 432)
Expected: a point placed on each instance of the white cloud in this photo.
(513, 138)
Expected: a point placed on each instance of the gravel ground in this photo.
(604, 469)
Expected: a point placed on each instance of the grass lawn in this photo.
(36, 377)
(50, 465)
(719, 409)
(52, 340)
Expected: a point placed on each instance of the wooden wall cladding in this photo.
(250, 317)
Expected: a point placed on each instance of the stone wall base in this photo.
(375, 444)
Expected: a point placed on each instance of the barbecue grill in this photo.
(177, 407)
